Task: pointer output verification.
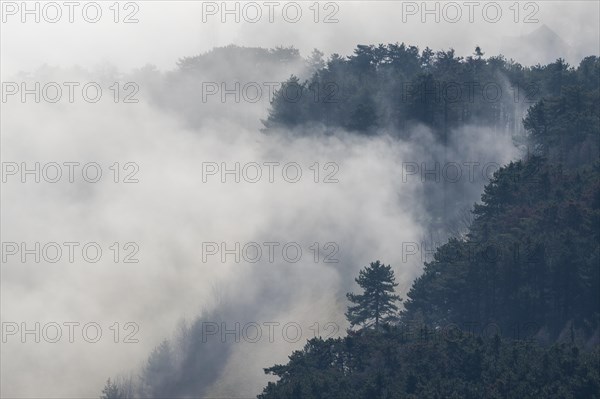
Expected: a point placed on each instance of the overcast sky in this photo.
(168, 30)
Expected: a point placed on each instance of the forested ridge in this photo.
(509, 306)
(511, 309)
(393, 364)
(395, 86)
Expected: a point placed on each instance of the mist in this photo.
(170, 204)
(368, 213)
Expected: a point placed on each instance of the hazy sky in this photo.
(168, 30)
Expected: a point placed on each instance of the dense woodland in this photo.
(510, 308)
(422, 364)
(391, 87)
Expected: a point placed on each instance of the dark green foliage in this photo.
(532, 254)
(396, 86)
(376, 305)
(565, 128)
(400, 363)
(528, 270)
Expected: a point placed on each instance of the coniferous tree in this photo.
(111, 391)
(377, 303)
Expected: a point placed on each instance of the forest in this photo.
(509, 309)
(509, 306)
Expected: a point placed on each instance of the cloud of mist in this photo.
(170, 212)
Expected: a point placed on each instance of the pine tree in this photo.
(377, 303)
(111, 391)
(478, 53)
